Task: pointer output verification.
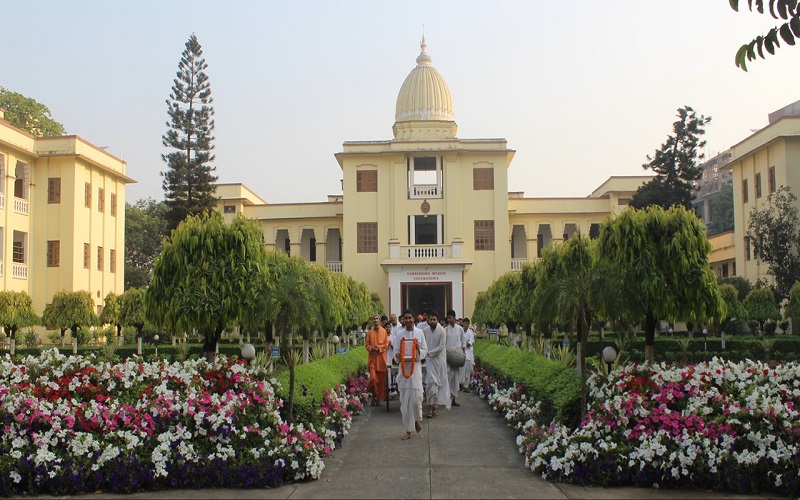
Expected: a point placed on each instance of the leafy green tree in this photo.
(16, 311)
(664, 254)
(189, 179)
(110, 313)
(145, 227)
(201, 279)
(792, 309)
(774, 233)
(721, 211)
(675, 164)
(740, 283)
(760, 306)
(70, 310)
(29, 115)
(735, 309)
(132, 309)
(788, 11)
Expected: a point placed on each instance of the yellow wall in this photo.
(75, 161)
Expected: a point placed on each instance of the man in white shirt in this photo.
(437, 391)
(410, 349)
(455, 340)
(469, 364)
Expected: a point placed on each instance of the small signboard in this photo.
(276, 352)
(565, 342)
(341, 350)
(492, 331)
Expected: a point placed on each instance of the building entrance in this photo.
(420, 297)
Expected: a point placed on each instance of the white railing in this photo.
(2, 200)
(19, 271)
(425, 191)
(334, 267)
(425, 251)
(516, 264)
(21, 206)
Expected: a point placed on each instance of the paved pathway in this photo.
(467, 452)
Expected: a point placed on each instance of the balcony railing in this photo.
(425, 191)
(19, 271)
(334, 267)
(21, 206)
(2, 200)
(516, 264)
(1, 268)
(425, 251)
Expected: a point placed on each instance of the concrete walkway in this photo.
(467, 452)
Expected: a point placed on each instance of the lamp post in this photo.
(669, 332)
(609, 356)
(155, 338)
(335, 341)
(248, 352)
(705, 339)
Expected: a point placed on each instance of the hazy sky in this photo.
(581, 90)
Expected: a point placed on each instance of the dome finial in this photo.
(423, 59)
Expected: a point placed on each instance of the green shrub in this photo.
(313, 379)
(556, 386)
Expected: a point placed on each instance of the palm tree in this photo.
(293, 298)
(572, 286)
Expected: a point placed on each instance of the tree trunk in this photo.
(649, 338)
(305, 350)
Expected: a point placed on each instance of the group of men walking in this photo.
(407, 344)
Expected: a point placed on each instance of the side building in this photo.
(764, 161)
(426, 219)
(62, 216)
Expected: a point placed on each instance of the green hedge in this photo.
(737, 348)
(557, 387)
(318, 377)
(168, 352)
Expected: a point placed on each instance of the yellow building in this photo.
(62, 216)
(426, 219)
(760, 164)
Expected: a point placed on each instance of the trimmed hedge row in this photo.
(313, 379)
(168, 352)
(557, 387)
(739, 348)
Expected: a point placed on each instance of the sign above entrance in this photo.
(426, 275)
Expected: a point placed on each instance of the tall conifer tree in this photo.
(189, 179)
(675, 164)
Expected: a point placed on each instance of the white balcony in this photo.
(421, 191)
(425, 251)
(21, 206)
(516, 264)
(19, 271)
(334, 267)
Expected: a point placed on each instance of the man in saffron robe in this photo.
(410, 349)
(437, 391)
(376, 343)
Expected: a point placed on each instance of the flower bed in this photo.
(715, 425)
(75, 424)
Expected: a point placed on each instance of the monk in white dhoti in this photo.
(410, 349)
(455, 340)
(469, 355)
(437, 391)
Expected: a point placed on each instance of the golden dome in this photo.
(424, 94)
